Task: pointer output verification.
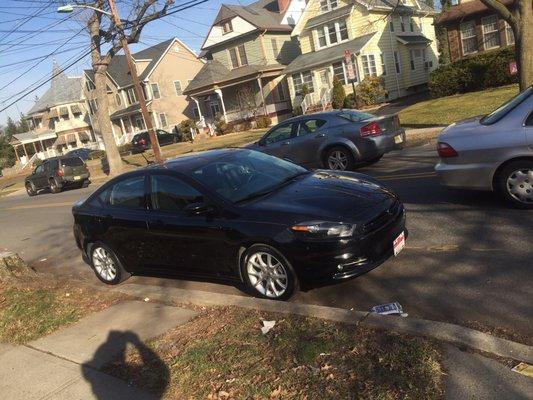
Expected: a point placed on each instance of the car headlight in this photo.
(325, 229)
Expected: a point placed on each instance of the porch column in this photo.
(16, 153)
(122, 126)
(219, 92)
(262, 95)
(34, 148)
(25, 151)
(78, 141)
(199, 111)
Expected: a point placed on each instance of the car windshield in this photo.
(355, 116)
(246, 174)
(72, 162)
(505, 108)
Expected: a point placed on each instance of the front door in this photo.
(277, 141)
(307, 142)
(324, 80)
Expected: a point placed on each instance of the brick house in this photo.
(472, 28)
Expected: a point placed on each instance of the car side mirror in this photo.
(198, 208)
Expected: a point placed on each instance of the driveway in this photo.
(468, 258)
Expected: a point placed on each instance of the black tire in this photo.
(54, 187)
(120, 273)
(345, 159)
(30, 189)
(514, 184)
(290, 280)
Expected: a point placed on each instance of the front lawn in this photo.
(446, 110)
(222, 354)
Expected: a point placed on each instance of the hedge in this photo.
(478, 72)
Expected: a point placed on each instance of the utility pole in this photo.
(136, 84)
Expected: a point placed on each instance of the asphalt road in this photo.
(468, 258)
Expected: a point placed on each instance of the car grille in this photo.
(385, 218)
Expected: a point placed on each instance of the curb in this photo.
(443, 331)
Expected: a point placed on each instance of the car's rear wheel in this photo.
(339, 158)
(30, 189)
(106, 264)
(267, 273)
(54, 187)
(514, 184)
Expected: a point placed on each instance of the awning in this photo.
(413, 39)
(75, 109)
(53, 113)
(133, 109)
(84, 137)
(328, 55)
(63, 111)
(64, 139)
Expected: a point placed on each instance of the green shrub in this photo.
(125, 149)
(304, 91)
(477, 72)
(369, 92)
(37, 162)
(337, 94)
(296, 110)
(185, 129)
(263, 121)
(246, 125)
(221, 126)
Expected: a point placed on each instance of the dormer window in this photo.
(328, 5)
(331, 34)
(227, 27)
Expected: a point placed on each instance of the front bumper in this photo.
(325, 262)
(465, 176)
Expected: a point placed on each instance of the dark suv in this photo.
(141, 141)
(57, 173)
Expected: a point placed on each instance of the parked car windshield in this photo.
(247, 174)
(72, 162)
(355, 116)
(505, 108)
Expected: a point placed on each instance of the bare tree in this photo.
(247, 101)
(520, 18)
(103, 30)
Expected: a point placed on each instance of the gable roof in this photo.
(63, 89)
(463, 10)
(329, 16)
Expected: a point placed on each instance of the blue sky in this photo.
(19, 50)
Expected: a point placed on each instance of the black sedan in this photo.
(141, 141)
(242, 215)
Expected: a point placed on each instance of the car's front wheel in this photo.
(267, 273)
(514, 184)
(106, 264)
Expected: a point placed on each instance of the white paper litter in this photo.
(389, 309)
(146, 299)
(267, 326)
(42, 260)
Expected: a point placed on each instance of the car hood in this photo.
(332, 196)
(465, 127)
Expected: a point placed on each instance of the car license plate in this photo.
(398, 139)
(399, 243)
(77, 178)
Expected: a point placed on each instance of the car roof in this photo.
(191, 162)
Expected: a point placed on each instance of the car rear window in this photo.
(72, 162)
(355, 116)
(505, 108)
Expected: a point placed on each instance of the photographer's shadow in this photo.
(118, 343)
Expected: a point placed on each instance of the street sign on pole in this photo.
(349, 66)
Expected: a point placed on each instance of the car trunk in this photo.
(389, 124)
(73, 167)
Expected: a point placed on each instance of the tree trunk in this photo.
(104, 122)
(524, 46)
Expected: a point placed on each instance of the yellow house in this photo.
(394, 40)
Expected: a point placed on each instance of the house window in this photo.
(215, 108)
(196, 112)
(331, 34)
(89, 85)
(328, 5)
(468, 37)
(118, 100)
(369, 65)
(297, 83)
(155, 90)
(93, 106)
(383, 66)
(509, 34)
(139, 123)
(177, 88)
(303, 78)
(391, 24)
(227, 27)
(412, 59)
(402, 23)
(131, 96)
(411, 24)
(280, 91)
(397, 62)
(491, 34)
(275, 49)
(338, 71)
(163, 120)
(238, 56)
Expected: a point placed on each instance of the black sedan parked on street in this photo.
(338, 139)
(242, 215)
(141, 141)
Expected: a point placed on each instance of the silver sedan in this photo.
(494, 152)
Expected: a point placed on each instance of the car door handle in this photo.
(285, 143)
(320, 135)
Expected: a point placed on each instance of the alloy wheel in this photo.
(267, 274)
(338, 160)
(520, 185)
(104, 264)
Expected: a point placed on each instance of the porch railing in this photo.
(326, 98)
(307, 102)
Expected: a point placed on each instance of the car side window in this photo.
(529, 120)
(128, 193)
(280, 133)
(46, 166)
(39, 169)
(169, 193)
(310, 126)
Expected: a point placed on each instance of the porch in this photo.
(129, 121)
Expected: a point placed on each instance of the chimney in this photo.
(283, 5)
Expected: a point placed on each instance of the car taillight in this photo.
(371, 129)
(142, 142)
(60, 172)
(445, 150)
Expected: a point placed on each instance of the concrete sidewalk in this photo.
(65, 364)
